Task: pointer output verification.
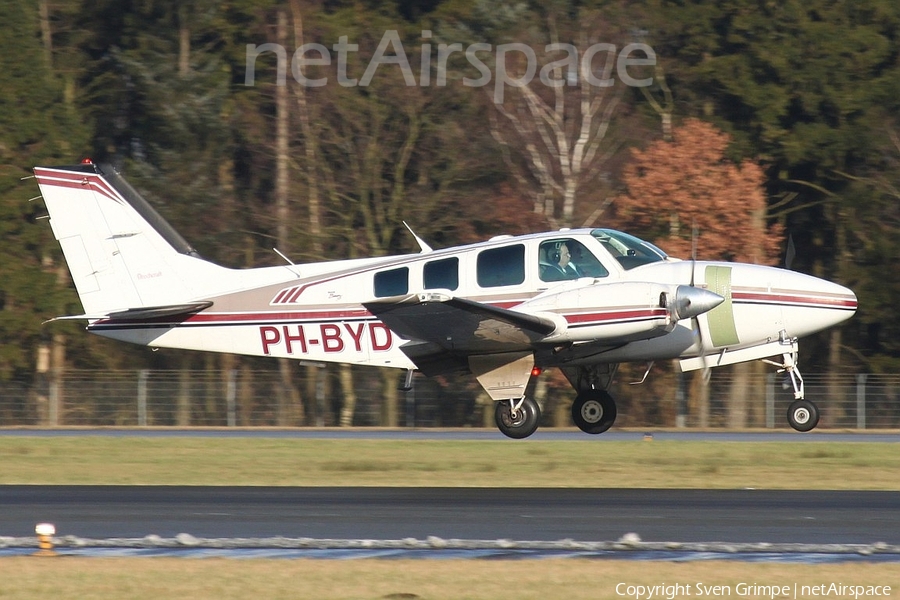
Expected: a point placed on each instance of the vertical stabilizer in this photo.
(120, 252)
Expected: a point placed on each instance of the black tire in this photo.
(523, 424)
(803, 415)
(594, 411)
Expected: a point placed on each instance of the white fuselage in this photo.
(316, 313)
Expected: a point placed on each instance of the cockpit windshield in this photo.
(630, 251)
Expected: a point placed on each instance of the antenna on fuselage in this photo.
(790, 253)
(287, 260)
(424, 248)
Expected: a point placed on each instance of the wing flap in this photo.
(433, 360)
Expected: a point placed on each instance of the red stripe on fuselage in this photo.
(795, 299)
(212, 318)
(335, 315)
(625, 314)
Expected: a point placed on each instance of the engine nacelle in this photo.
(624, 311)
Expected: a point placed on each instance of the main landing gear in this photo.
(594, 411)
(517, 418)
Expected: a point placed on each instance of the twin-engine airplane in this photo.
(583, 300)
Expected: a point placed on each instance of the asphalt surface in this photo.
(811, 517)
(588, 515)
(487, 434)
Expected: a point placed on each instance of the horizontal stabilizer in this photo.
(142, 314)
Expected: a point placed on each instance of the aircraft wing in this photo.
(443, 330)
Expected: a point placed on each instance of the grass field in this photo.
(569, 579)
(504, 463)
(303, 462)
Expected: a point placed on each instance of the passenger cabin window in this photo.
(566, 258)
(501, 266)
(392, 283)
(441, 274)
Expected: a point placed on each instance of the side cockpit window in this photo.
(501, 266)
(567, 258)
(392, 283)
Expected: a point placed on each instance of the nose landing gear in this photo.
(802, 414)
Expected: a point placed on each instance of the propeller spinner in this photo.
(691, 301)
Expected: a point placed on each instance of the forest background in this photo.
(770, 131)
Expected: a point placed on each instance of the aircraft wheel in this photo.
(520, 424)
(594, 411)
(803, 415)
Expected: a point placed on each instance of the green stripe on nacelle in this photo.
(721, 318)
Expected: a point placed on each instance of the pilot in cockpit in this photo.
(558, 265)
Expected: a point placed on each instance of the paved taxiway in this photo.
(847, 517)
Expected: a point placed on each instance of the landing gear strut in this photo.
(594, 409)
(517, 418)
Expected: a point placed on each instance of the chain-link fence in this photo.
(269, 398)
(230, 398)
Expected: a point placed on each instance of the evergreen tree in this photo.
(807, 88)
(37, 126)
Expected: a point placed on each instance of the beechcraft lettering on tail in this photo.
(581, 300)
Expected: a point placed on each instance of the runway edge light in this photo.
(45, 533)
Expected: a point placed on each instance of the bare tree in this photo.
(289, 399)
(555, 129)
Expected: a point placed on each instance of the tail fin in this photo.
(120, 252)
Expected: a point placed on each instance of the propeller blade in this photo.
(707, 372)
(700, 302)
(694, 234)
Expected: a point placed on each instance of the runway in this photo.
(735, 516)
(485, 519)
(462, 434)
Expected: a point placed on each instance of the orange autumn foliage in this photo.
(674, 187)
